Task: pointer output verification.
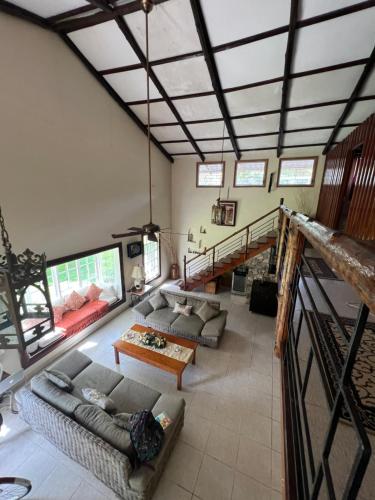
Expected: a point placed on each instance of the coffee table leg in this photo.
(193, 360)
(179, 381)
(117, 357)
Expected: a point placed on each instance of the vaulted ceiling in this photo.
(271, 74)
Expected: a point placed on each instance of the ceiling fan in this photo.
(149, 229)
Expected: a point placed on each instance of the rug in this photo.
(363, 375)
(320, 268)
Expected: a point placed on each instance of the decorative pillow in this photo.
(207, 312)
(93, 293)
(122, 420)
(195, 302)
(59, 379)
(74, 301)
(158, 301)
(173, 299)
(180, 309)
(58, 312)
(99, 399)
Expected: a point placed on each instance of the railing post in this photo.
(247, 242)
(213, 261)
(184, 272)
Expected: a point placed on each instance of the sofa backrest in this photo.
(189, 298)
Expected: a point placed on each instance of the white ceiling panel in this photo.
(206, 130)
(348, 37)
(360, 111)
(314, 117)
(369, 88)
(252, 62)
(170, 133)
(255, 99)
(160, 112)
(198, 108)
(179, 147)
(311, 8)
(184, 77)
(323, 87)
(268, 141)
(214, 145)
(47, 8)
(172, 29)
(257, 124)
(227, 21)
(104, 45)
(308, 137)
(131, 85)
(343, 133)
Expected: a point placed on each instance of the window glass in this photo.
(297, 172)
(250, 173)
(151, 258)
(210, 174)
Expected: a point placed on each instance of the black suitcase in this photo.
(263, 299)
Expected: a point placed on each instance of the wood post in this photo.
(292, 258)
(185, 284)
(247, 243)
(283, 220)
(213, 261)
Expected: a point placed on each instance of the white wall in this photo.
(191, 206)
(73, 166)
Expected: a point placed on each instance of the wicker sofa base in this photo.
(106, 463)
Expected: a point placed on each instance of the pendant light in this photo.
(217, 211)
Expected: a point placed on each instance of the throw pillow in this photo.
(180, 309)
(74, 301)
(99, 399)
(158, 302)
(171, 298)
(207, 312)
(58, 312)
(93, 293)
(122, 420)
(59, 379)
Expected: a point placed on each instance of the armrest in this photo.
(144, 308)
(215, 326)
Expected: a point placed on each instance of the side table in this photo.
(138, 294)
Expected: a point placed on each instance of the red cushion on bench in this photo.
(75, 321)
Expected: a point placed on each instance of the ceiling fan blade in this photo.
(135, 228)
(152, 237)
(124, 235)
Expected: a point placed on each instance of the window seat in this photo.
(75, 321)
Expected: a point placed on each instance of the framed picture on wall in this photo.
(229, 213)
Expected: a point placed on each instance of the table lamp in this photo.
(138, 276)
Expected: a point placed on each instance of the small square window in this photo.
(210, 174)
(297, 171)
(250, 173)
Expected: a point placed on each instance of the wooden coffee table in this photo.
(156, 358)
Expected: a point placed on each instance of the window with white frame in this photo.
(250, 173)
(151, 258)
(210, 174)
(297, 171)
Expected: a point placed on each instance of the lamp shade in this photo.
(137, 273)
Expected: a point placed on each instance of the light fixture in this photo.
(138, 276)
(25, 306)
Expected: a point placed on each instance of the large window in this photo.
(250, 173)
(210, 174)
(151, 258)
(102, 267)
(297, 171)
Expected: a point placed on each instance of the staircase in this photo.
(232, 251)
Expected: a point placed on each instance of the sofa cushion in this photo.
(74, 301)
(121, 420)
(195, 303)
(158, 301)
(98, 377)
(53, 395)
(188, 325)
(164, 317)
(144, 308)
(131, 396)
(73, 363)
(215, 327)
(173, 298)
(99, 399)
(206, 312)
(100, 423)
(59, 379)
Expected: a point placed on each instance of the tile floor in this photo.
(229, 448)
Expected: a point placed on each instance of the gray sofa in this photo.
(88, 435)
(191, 327)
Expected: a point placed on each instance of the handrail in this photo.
(352, 260)
(233, 234)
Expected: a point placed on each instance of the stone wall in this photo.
(258, 269)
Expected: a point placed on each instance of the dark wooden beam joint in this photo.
(290, 49)
(212, 69)
(367, 70)
(101, 4)
(121, 23)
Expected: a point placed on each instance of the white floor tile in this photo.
(215, 480)
(183, 466)
(254, 460)
(223, 445)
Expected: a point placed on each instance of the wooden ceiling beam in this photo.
(353, 98)
(244, 150)
(101, 4)
(204, 38)
(26, 15)
(290, 49)
(121, 23)
(113, 94)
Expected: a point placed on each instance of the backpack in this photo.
(146, 434)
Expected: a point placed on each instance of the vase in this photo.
(174, 272)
